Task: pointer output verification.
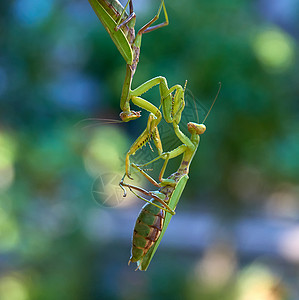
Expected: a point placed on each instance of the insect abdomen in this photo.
(147, 230)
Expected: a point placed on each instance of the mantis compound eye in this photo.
(196, 128)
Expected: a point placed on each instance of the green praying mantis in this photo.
(156, 214)
(120, 27)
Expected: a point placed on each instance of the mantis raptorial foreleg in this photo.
(172, 105)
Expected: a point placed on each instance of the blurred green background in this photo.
(236, 232)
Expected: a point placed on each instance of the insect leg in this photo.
(148, 28)
(129, 18)
(147, 193)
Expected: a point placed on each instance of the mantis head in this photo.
(128, 116)
(195, 128)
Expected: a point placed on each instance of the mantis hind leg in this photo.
(166, 156)
(148, 28)
(147, 176)
(129, 18)
(156, 196)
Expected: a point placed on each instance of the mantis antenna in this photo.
(212, 103)
(105, 121)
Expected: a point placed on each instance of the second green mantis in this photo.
(155, 216)
(121, 28)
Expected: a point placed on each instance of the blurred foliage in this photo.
(58, 67)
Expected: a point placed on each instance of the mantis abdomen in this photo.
(147, 230)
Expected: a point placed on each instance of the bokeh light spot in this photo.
(260, 283)
(12, 288)
(9, 234)
(7, 157)
(274, 49)
(289, 245)
(217, 266)
(32, 12)
(3, 81)
(105, 151)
